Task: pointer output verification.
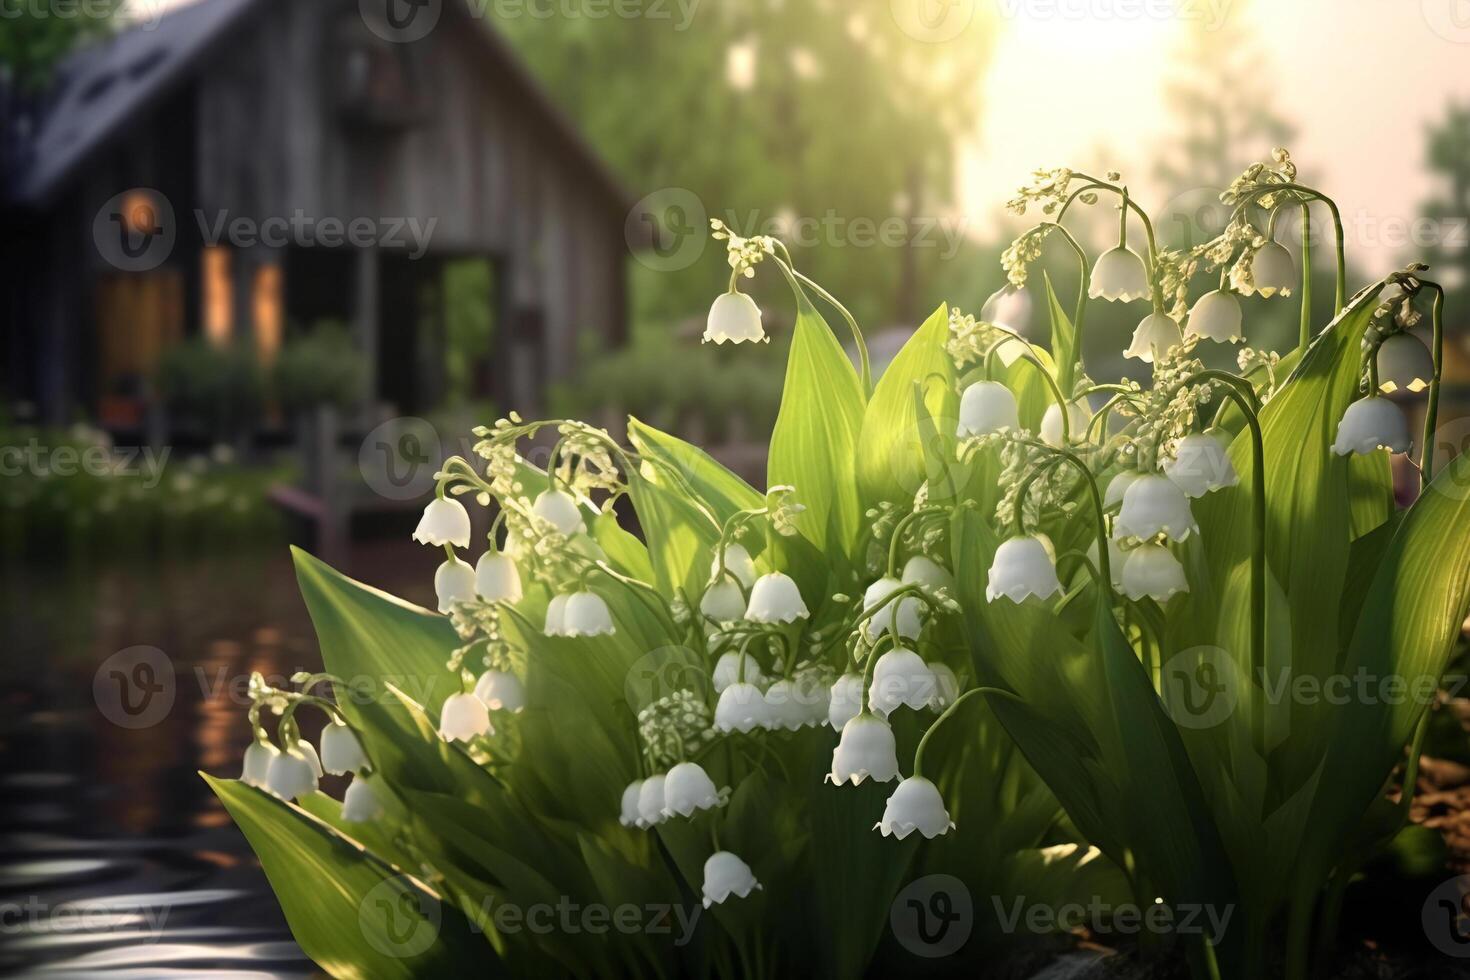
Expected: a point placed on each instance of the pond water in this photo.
(116, 860)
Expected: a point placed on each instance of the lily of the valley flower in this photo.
(1023, 567)
(688, 788)
(735, 318)
(560, 509)
(1152, 571)
(1216, 316)
(723, 601)
(904, 615)
(727, 671)
(1201, 464)
(341, 751)
(1117, 487)
(1119, 276)
(741, 708)
(462, 718)
(258, 761)
(987, 407)
(1370, 424)
(1156, 333)
(726, 875)
(1079, 413)
(845, 701)
(586, 614)
(1116, 559)
(497, 579)
(628, 814)
(1404, 364)
(900, 677)
(775, 599)
(500, 690)
(813, 696)
(737, 562)
(866, 750)
(1152, 505)
(933, 576)
(651, 808)
(454, 582)
(445, 521)
(291, 775)
(946, 686)
(915, 805)
(1010, 307)
(1273, 270)
(308, 752)
(556, 615)
(785, 710)
(360, 804)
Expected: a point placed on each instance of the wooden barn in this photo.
(242, 170)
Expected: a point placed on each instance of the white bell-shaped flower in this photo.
(462, 718)
(906, 615)
(560, 509)
(1273, 270)
(1152, 571)
(587, 614)
(723, 601)
(308, 751)
(360, 804)
(454, 582)
(1404, 364)
(737, 562)
(1117, 487)
(987, 407)
(341, 751)
(500, 690)
(1023, 567)
(651, 807)
(774, 598)
(1154, 336)
(813, 693)
(688, 788)
(628, 814)
(497, 579)
(1370, 424)
(866, 750)
(1201, 464)
(734, 318)
(845, 700)
(915, 805)
(1216, 316)
(257, 763)
(1119, 275)
(1116, 559)
(727, 671)
(784, 708)
(933, 576)
(445, 521)
(946, 686)
(556, 615)
(900, 677)
(291, 775)
(726, 875)
(1011, 307)
(741, 708)
(1154, 504)
(1079, 414)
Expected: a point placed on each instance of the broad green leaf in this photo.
(1063, 339)
(890, 461)
(682, 464)
(680, 536)
(815, 440)
(354, 915)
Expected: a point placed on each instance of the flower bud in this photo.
(560, 509)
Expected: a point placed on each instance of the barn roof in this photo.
(102, 87)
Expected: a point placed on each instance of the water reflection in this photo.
(115, 859)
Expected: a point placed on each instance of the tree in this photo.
(1448, 155)
(36, 37)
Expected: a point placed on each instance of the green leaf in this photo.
(350, 912)
(1063, 340)
(815, 440)
(890, 464)
(683, 464)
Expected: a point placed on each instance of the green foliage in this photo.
(319, 368)
(215, 389)
(36, 38)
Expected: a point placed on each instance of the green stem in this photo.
(1431, 412)
(1305, 336)
(924, 741)
(789, 267)
(898, 530)
(1104, 571)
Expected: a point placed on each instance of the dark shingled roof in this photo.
(103, 86)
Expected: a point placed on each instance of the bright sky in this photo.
(1359, 79)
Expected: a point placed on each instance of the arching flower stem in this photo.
(1311, 194)
(1305, 334)
(1104, 570)
(1034, 361)
(1094, 184)
(1431, 410)
(948, 713)
(898, 530)
(799, 279)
